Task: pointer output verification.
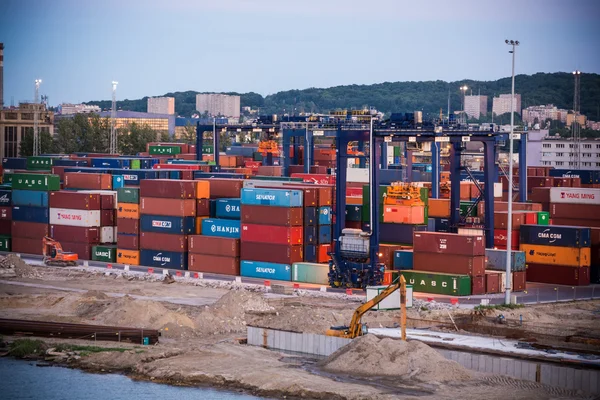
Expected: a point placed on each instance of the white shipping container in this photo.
(497, 189)
(392, 302)
(107, 234)
(357, 175)
(70, 217)
(574, 195)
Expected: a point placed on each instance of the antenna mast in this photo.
(36, 119)
(113, 116)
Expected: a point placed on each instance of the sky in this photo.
(151, 47)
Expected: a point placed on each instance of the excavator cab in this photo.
(54, 254)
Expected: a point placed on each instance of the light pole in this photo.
(514, 44)
(463, 89)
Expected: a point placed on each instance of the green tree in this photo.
(83, 133)
(133, 139)
(189, 134)
(46, 143)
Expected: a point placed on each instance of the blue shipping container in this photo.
(310, 216)
(117, 182)
(14, 163)
(65, 162)
(31, 214)
(163, 259)
(228, 228)
(118, 163)
(403, 259)
(324, 234)
(556, 235)
(32, 198)
(266, 270)
(228, 208)
(496, 260)
(325, 216)
(5, 198)
(398, 233)
(310, 235)
(587, 177)
(310, 253)
(272, 197)
(174, 174)
(162, 224)
(132, 177)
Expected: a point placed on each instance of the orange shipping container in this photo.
(553, 255)
(465, 190)
(128, 210)
(439, 208)
(203, 190)
(404, 214)
(355, 201)
(129, 257)
(199, 225)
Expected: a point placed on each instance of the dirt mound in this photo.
(20, 267)
(371, 356)
(228, 314)
(95, 294)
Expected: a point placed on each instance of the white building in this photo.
(542, 113)
(161, 105)
(544, 151)
(67, 108)
(217, 104)
(475, 106)
(501, 104)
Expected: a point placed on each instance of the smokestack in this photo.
(1, 76)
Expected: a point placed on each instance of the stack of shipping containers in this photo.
(5, 218)
(128, 225)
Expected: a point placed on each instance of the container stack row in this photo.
(128, 225)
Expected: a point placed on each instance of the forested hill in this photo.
(430, 96)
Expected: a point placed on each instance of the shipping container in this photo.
(587, 177)
(558, 275)
(128, 257)
(91, 181)
(267, 215)
(310, 253)
(403, 259)
(398, 233)
(501, 220)
(554, 255)
(29, 230)
(266, 270)
(128, 195)
(14, 163)
(129, 226)
(325, 215)
(324, 234)
(221, 227)
(35, 182)
(165, 224)
(496, 260)
(168, 207)
(6, 198)
(275, 253)
(575, 195)
(227, 208)
(71, 217)
(555, 235)
(6, 228)
(83, 250)
(30, 198)
(386, 254)
(128, 210)
(477, 285)
(436, 283)
(354, 213)
(272, 234)
(448, 243)
(31, 214)
(449, 263)
(310, 216)
(163, 241)
(5, 243)
(5, 214)
(501, 238)
(492, 282)
(203, 207)
(214, 264)
(104, 253)
(272, 197)
(568, 211)
(164, 150)
(518, 281)
(307, 272)
(128, 242)
(174, 189)
(224, 188)
(107, 234)
(74, 200)
(75, 234)
(117, 182)
(26, 245)
(212, 245)
(107, 218)
(163, 259)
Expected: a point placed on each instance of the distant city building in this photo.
(475, 106)
(501, 104)
(218, 105)
(161, 105)
(571, 117)
(158, 122)
(594, 125)
(15, 122)
(546, 151)
(67, 108)
(542, 113)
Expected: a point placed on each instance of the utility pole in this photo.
(575, 127)
(113, 116)
(36, 119)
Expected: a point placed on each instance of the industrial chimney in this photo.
(1, 75)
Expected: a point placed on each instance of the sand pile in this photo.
(20, 268)
(371, 356)
(228, 314)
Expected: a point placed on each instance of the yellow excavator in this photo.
(357, 328)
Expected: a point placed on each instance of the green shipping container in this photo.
(104, 253)
(128, 195)
(39, 163)
(257, 156)
(5, 243)
(464, 208)
(135, 164)
(164, 150)
(36, 182)
(208, 149)
(367, 202)
(354, 212)
(310, 273)
(429, 282)
(543, 218)
(397, 151)
(7, 178)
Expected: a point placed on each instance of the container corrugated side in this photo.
(128, 257)
(574, 195)
(496, 260)
(31, 214)
(71, 217)
(35, 182)
(448, 243)
(166, 224)
(306, 272)
(214, 264)
(554, 255)
(272, 197)
(555, 235)
(221, 227)
(228, 208)
(448, 284)
(31, 198)
(128, 195)
(104, 253)
(403, 259)
(164, 259)
(266, 270)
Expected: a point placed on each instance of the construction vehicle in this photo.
(54, 254)
(356, 328)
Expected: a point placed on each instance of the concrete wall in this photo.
(564, 377)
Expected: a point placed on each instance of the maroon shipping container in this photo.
(448, 243)
(5, 213)
(107, 202)
(75, 234)
(128, 242)
(203, 208)
(213, 245)
(214, 264)
(272, 234)
(225, 188)
(187, 175)
(576, 182)
(29, 230)
(127, 225)
(89, 181)
(6, 228)
(540, 181)
(540, 195)
(275, 253)
(477, 285)
(74, 200)
(518, 281)
(449, 263)
(26, 245)
(83, 250)
(163, 241)
(60, 171)
(580, 211)
(595, 245)
(558, 275)
(501, 220)
(168, 188)
(107, 217)
(386, 253)
(492, 282)
(590, 223)
(168, 207)
(324, 193)
(267, 215)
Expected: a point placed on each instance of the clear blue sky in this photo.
(77, 47)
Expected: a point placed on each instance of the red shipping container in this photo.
(128, 225)
(323, 251)
(128, 242)
(449, 263)
(561, 182)
(75, 234)
(213, 245)
(569, 211)
(529, 217)
(29, 230)
(225, 188)
(187, 175)
(386, 254)
(492, 282)
(107, 202)
(518, 281)
(190, 167)
(477, 285)
(60, 171)
(501, 220)
(203, 208)
(6, 228)
(6, 213)
(168, 188)
(592, 223)
(539, 181)
(575, 182)
(90, 181)
(26, 245)
(448, 243)
(267, 215)
(274, 253)
(272, 234)
(539, 195)
(214, 264)
(321, 179)
(107, 217)
(501, 236)
(74, 200)
(558, 275)
(168, 207)
(163, 241)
